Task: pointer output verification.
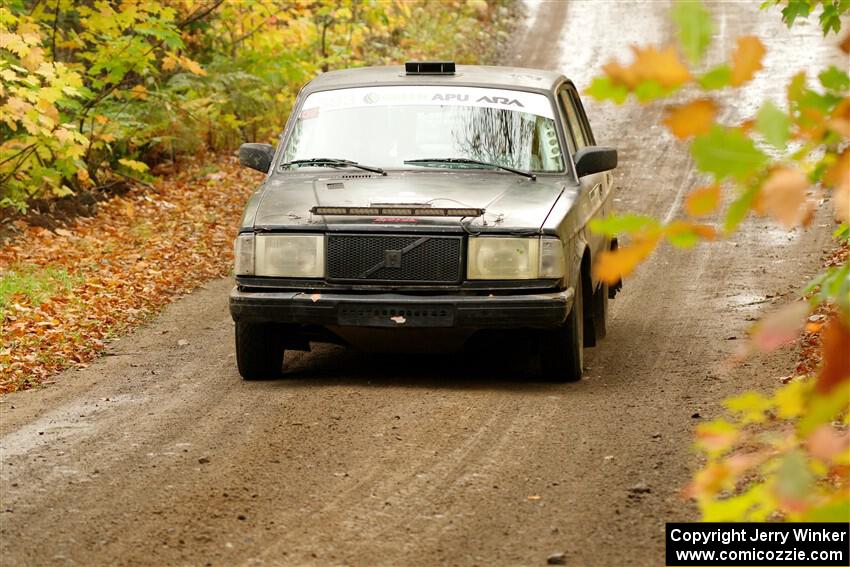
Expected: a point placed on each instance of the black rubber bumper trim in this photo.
(544, 310)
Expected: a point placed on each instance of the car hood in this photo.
(511, 202)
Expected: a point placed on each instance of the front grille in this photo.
(392, 258)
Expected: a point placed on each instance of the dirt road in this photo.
(158, 454)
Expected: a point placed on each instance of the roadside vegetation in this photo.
(132, 110)
(96, 93)
(785, 455)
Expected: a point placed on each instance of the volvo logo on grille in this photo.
(392, 258)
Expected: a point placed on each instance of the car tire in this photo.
(562, 350)
(600, 312)
(259, 351)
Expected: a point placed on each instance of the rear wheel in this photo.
(259, 351)
(562, 350)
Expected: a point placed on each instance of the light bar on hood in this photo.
(397, 211)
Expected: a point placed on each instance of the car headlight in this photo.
(281, 255)
(507, 258)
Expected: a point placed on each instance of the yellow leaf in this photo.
(169, 62)
(614, 265)
(746, 59)
(192, 66)
(691, 119)
(13, 43)
(101, 119)
(133, 164)
(703, 201)
(751, 406)
(790, 399)
(783, 196)
(139, 92)
(83, 176)
(33, 59)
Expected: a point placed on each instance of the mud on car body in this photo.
(425, 202)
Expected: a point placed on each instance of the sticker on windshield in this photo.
(519, 101)
(309, 113)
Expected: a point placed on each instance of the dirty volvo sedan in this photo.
(427, 204)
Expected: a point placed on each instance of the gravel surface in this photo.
(158, 453)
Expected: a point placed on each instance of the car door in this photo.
(595, 188)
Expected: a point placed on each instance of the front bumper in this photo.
(538, 310)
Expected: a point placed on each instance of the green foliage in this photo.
(834, 79)
(101, 90)
(603, 88)
(830, 16)
(716, 78)
(694, 28)
(613, 225)
(727, 153)
(782, 456)
(773, 124)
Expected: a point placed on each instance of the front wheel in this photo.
(562, 350)
(259, 351)
(600, 312)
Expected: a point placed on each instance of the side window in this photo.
(582, 119)
(573, 119)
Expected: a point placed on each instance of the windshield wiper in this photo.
(334, 162)
(468, 161)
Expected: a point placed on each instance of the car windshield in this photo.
(386, 126)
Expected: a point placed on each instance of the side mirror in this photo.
(594, 159)
(256, 156)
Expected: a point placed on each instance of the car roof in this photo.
(517, 78)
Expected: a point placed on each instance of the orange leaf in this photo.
(780, 327)
(840, 118)
(691, 119)
(614, 265)
(839, 173)
(783, 196)
(663, 66)
(845, 44)
(836, 357)
(620, 74)
(650, 64)
(746, 59)
(826, 443)
(703, 201)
